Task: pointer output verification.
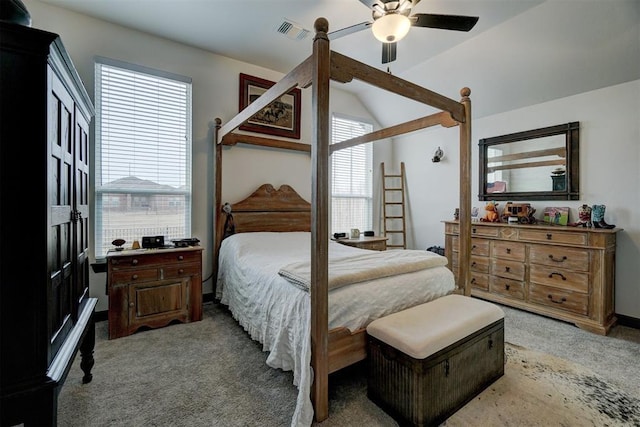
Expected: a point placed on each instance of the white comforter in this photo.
(277, 313)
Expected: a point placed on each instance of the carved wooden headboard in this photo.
(268, 209)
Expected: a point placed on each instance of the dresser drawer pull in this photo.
(507, 269)
(559, 274)
(508, 250)
(473, 230)
(549, 236)
(134, 262)
(557, 260)
(473, 264)
(473, 280)
(473, 247)
(180, 257)
(563, 299)
(134, 277)
(506, 287)
(181, 271)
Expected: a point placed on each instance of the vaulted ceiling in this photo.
(520, 52)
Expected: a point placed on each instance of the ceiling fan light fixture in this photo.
(391, 27)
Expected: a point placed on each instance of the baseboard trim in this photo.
(623, 320)
(629, 321)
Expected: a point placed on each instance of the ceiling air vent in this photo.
(292, 30)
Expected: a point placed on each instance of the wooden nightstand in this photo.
(153, 287)
(374, 243)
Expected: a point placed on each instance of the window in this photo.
(351, 177)
(143, 154)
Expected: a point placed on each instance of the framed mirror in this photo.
(539, 164)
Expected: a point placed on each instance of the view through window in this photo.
(143, 154)
(351, 177)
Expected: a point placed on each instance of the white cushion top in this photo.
(425, 329)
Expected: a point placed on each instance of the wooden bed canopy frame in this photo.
(268, 209)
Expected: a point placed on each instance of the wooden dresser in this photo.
(152, 288)
(567, 273)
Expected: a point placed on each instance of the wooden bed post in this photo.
(465, 195)
(217, 203)
(320, 221)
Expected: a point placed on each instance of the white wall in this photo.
(215, 94)
(609, 171)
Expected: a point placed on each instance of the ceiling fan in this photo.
(392, 21)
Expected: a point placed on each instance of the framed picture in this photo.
(280, 118)
(556, 216)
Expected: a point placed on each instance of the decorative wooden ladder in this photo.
(394, 225)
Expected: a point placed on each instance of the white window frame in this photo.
(143, 163)
(352, 202)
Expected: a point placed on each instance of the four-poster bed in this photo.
(284, 211)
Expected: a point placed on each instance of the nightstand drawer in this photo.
(154, 257)
(123, 277)
(173, 271)
(484, 231)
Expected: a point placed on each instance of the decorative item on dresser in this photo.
(563, 272)
(153, 287)
(374, 243)
(46, 314)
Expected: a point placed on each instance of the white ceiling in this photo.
(521, 52)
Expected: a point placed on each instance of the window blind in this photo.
(143, 154)
(351, 177)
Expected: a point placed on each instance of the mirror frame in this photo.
(571, 131)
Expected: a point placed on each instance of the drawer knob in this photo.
(180, 257)
(557, 260)
(473, 230)
(549, 236)
(473, 264)
(508, 250)
(134, 262)
(563, 299)
(507, 269)
(134, 277)
(473, 280)
(181, 271)
(506, 287)
(559, 274)
(131, 304)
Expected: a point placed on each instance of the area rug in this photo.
(542, 390)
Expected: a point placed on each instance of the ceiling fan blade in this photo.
(388, 52)
(445, 22)
(349, 30)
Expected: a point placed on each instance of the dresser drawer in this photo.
(557, 256)
(484, 231)
(480, 264)
(509, 269)
(559, 299)
(509, 250)
(176, 271)
(480, 247)
(506, 287)
(480, 281)
(560, 278)
(577, 238)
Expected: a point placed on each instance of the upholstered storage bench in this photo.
(428, 361)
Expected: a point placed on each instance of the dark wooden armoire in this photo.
(46, 314)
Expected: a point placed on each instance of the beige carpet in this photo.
(210, 373)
